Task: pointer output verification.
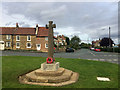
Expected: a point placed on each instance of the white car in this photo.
(92, 48)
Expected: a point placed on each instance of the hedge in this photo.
(117, 49)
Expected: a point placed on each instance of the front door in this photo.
(38, 46)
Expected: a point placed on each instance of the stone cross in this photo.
(50, 38)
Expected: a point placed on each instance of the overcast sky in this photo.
(88, 20)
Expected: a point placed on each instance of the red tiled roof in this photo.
(42, 31)
(62, 37)
(7, 30)
(54, 37)
(21, 30)
(30, 31)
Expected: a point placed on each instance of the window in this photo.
(55, 42)
(28, 45)
(17, 38)
(46, 45)
(17, 45)
(8, 44)
(46, 38)
(8, 37)
(28, 38)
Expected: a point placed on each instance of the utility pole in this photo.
(109, 38)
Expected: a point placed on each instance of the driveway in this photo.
(80, 54)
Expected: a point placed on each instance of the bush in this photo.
(112, 49)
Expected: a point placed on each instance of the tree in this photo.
(118, 45)
(74, 43)
(105, 42)
(85, 45)
(67, 40)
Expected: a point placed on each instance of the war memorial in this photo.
(50, 73)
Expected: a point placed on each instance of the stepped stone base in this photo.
(58, 77)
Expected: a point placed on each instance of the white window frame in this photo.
(46, 38)
(7, 44)
(45, 45)
(27, 38)
(8, 37)
(27, 44)
(17, 46)
(17, 39)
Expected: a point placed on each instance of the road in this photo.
(80, 54)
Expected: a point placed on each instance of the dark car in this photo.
(69, 50)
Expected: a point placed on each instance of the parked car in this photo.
(98, 50)
(92, 48)
(69, 50)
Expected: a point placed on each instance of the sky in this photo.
(88, 20)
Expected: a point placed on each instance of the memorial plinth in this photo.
(55, 76)
(50, 67)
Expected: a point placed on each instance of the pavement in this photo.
(80, 54)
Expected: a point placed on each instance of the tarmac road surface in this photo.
(80, 54)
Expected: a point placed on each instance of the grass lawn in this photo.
(13, 66)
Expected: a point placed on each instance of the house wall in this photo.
(23, 42)
(5, 40)
(42, 42)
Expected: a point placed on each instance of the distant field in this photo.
(13, 66)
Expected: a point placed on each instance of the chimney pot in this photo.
(36, 25)
(17, 25)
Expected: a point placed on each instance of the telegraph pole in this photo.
(109, 38)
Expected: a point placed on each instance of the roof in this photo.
(62, 37)
(54, 37)
(21, 31)
(42, 31)
(6, 30)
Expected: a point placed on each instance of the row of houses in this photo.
(26, 38)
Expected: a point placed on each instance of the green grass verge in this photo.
(13, 66)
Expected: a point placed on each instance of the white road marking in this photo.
(109, 60)
(105, 55)
(115, 59)
(92, 53)
(101, 59)
(108, 55)
(95, 59)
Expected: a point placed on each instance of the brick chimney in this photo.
(17, 25)
(36, 32)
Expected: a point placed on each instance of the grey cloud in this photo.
(21, 24)
(83, 17)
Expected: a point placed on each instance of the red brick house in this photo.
(24, 38)
(61, 40)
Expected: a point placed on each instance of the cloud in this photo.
(76, 18)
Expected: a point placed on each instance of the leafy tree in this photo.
(85, 45)
(105, 42)
(118, 45)
(68, 40)
(75, 42)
